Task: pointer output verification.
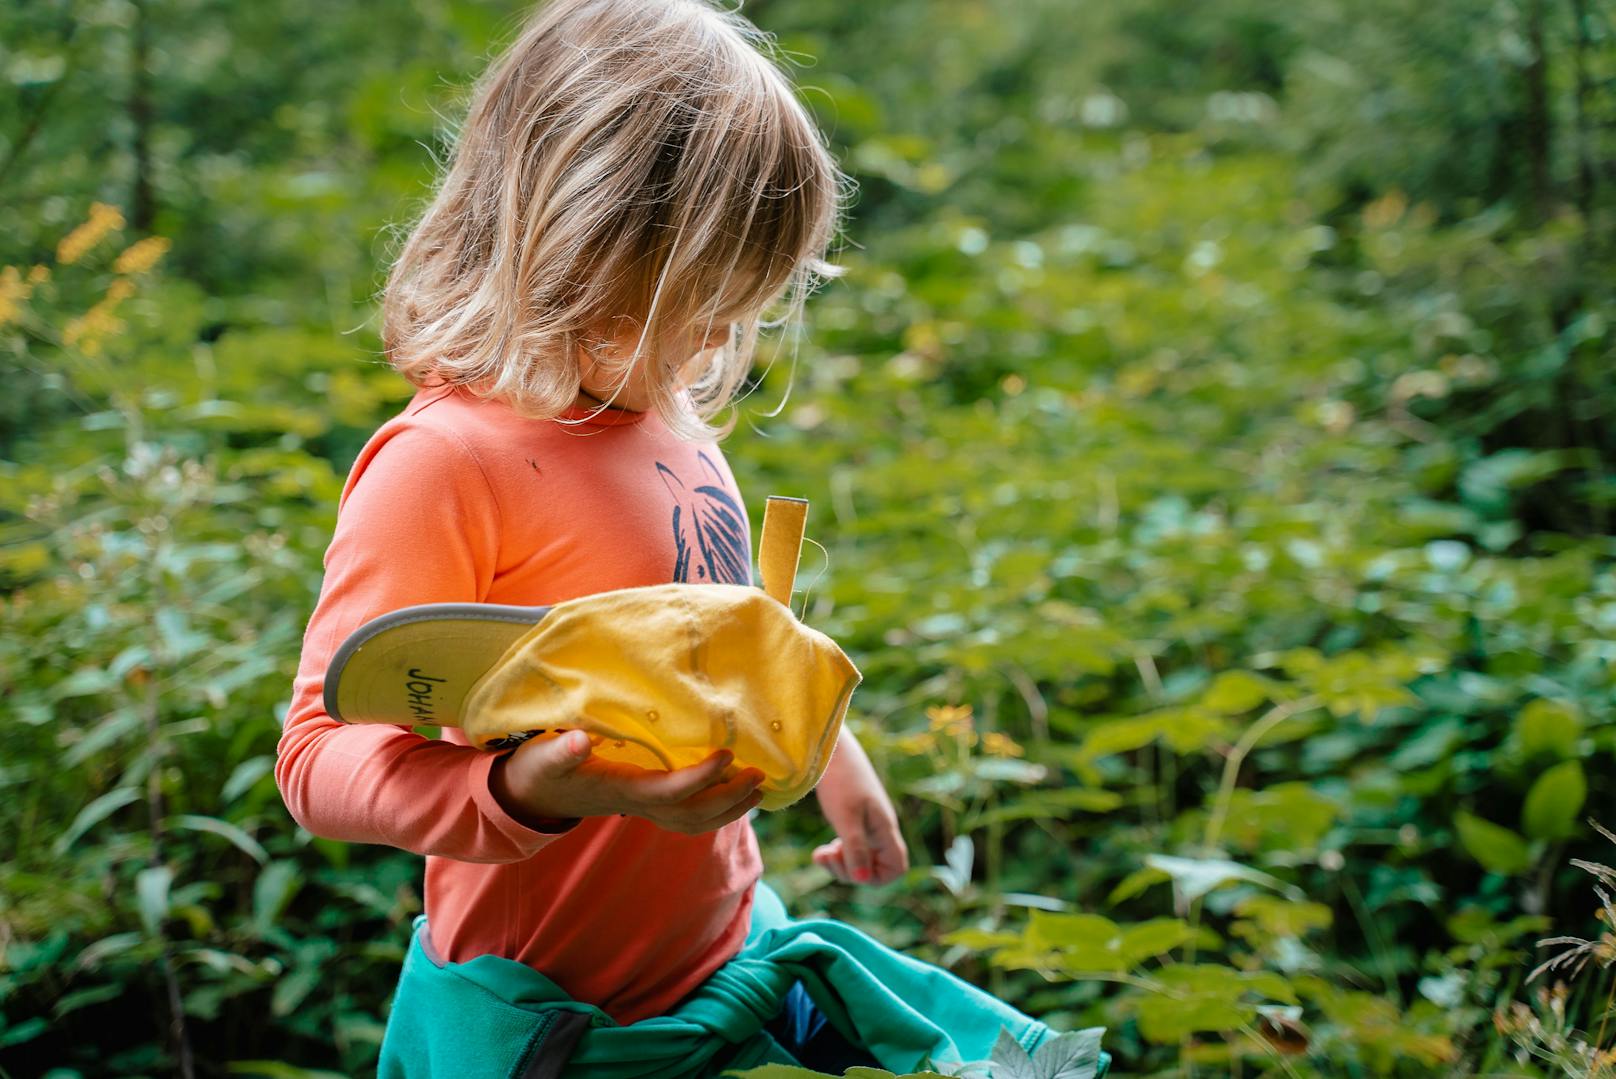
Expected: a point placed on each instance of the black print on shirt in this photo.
(709, 529)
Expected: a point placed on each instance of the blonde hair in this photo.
(639, 160)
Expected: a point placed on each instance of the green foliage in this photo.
(1211, 443)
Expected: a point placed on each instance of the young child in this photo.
(634, 185)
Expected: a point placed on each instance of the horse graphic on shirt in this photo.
(709, 529)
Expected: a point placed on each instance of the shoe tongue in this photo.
(784, 520)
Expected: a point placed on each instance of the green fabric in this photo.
(490, 1016)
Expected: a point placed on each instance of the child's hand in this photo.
(557, 778)
(869, 847)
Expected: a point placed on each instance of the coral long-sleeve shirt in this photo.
(459, 499)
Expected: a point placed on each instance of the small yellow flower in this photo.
(141, 255)
(996, 744)
(953, 720)
(87, 331)
(1386, 210)
(39, 274)
(950, 717)
(13, 291)
(921, 742)
(102, 220)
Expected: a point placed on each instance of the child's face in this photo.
(636, 393)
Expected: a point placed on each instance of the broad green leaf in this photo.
(981, 939)
(1120, 736)
(1235, 692)
(1555, 800)
(1074, 1054)
(1194, 729)
(1055, 930)
(1085, 941)
(1152, 938)
(1271, 916)
(1195, 877)
(1495, 847)
(1547, 727)
(1165, 1020)
(1010, 1060)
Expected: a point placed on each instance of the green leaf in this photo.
(1165, 1020)
(245, 776)
(94, 813)
(1235, 692)
(1271, 916)
(1085, 941)
(1554, 801)
(1051, 930)
(1152, 938)
(116, 944)
(1074, 1054)
(151, 895)
(276, 884)
(981, 939)
(25, 1031)
(1010, 770)
(1120, 736)
(1136, 882)
(84, 682)
(1495, 847)
(1547, 727)
(956, 872)
(1010, 1060)
(274, 1069)
(95, 994)
(246, 843)
(292, 989)
(1195, 877)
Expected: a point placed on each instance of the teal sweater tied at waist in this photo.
(495, 1017)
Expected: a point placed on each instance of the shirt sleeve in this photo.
(417, 523)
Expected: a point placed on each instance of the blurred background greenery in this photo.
(1212, 443)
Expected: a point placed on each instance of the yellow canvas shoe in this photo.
(660, 676)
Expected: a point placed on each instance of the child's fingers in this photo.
(719, 797)
(830, 857)
(671, 788)
(734, 812)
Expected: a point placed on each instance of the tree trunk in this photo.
(1537, 123)
(141, 203)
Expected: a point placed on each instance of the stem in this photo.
(995, 860)
(140, 118)
(1037, 707)
(156, 813)
(1537, 129)
(1610, 1001)
(1237, 756)
(1377, 943)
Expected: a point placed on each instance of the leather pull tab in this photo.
(784, 520)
